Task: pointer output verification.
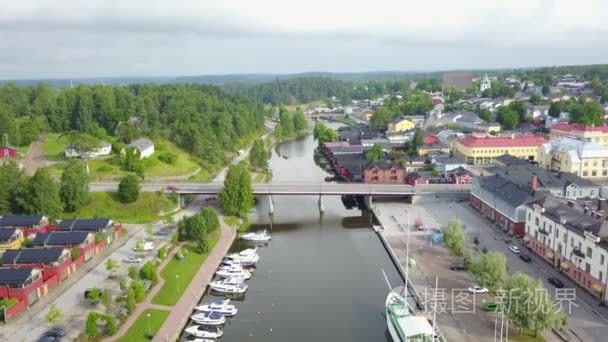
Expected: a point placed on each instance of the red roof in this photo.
(490, 141)
(430, 139)
(578, 127)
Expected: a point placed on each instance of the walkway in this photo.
(34, 158)
(180, 313)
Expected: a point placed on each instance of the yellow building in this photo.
(487, 127)
(596, 134)
(576, 155)
(401, 125)
(11, 238)
(425, 149)
(485, 149)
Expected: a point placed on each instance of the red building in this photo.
(460, 175)
(7, 152)
(55, 262)
(430, 139)
(83, 241)
(29, 224)
(24, 284)
(383, 172)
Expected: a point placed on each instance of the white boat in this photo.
(403, 324)
(235, 270)
(201, 340)
(229, 286)
(204, 331)
(247, 257)
(259, 236)
(221, 306)
(208, 318)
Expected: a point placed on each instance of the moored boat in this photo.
(204, 331)
(403, 324)
(248, 257)
(221, 306)
(208, 318)
(228, 286)
(260, 236)
(235, 270)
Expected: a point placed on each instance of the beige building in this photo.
(595, 134)
(576, 155)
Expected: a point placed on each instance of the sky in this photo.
(109, 38)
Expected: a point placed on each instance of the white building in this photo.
(144, 146)
(104, 149)
(485, 83)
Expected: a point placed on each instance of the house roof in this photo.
(61, 238)
(14, 276)
(500, 141)
(578, 128)
(512, 193)
(7, 234)
(522, 174)
(430, 139)
(578, 148)
(32, 255)
(141, 144)
(20, 220)
(383, 165)
(85, 224)
(507, 159)
(460, 171)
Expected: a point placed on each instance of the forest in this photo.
(203, 120)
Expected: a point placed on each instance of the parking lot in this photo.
(586, 319)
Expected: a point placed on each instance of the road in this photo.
(299, 188)
(586, 319)
(34, 158)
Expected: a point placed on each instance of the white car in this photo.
(514, 249)
(133, 260)
(148, 246)
(477, 289)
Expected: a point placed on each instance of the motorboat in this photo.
(221, 306)
(235, 270)
(248, 257)
(260, 236)
(204, 331)
(403, 324)
(208, 318)
(229, 286)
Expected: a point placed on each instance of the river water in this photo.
(320, 278)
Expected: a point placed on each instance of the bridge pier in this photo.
(270, 205)
(321, 206)
(369, 202)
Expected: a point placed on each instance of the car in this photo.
(477, 289)
(492, 307)
(458, 266)
(555, 282)
(148, 246)
(133, 260)
(162, 232)
(525, 257)
(52, 335)
(514, 249)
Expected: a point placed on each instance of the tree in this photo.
(485, 115)
(324, 134)
(106, 300)
(91, 328)
(74, 186)
(111, 325)
(455, 238)
(536, 99)
(111, 265)
(148, 272)
(94, 296)
(133, 273)
(375, 154)
(396, 154)
(212, 221)
(202, 243)
(507, 117)
(131, 160)
(258, 156)
(162, 252)
(490, 270)
(40, 195)
(300, 121)
(545, 90)
(287, 124)
(555, 109)
(380, 119)
(11, 180)
(520, 108)
(138, 291)
(529, 306)
(128, 189)
(131, 302)
(54, 315)
(236, 196)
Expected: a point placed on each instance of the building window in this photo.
(536, 221)
(584, 173)
(589, 251)
(601, 277)
(529, 216)
(587, 268)
(592, 192)
(602, 259)
(605, 173)
(595, 163)
(593, 173)
(585, 164)
(559, 248)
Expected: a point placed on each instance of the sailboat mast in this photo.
(407, 255)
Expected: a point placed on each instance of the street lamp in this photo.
(149, 330)
(177, 281)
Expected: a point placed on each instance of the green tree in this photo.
(131, 302)
(375, 154)
(74, 186)
(54, 315)
(131, 160)
(485, 115)
(529, 306)
(455, 238)
(545, 90)
(520, 108)
(300, 121)
(94, 296)
(128, 189)
(138, 291)
(111, 325)
(91, 328)
(236, 196)
(111, 265)
(381, 118)
(536, 99)
(212, 221)
(148, 272)
(324, 134)
(258, 156)
(162, 252)
(106, 300)
(202, 242)
(41, 195)
(11, 180)
(490, 270)
(555, 109)
(133, 273)
(507, 117)
(287, 124)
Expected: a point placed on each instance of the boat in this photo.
(330, 179)
(201, 340)
(260, 236)
(204, 331)
(208, 318)
(248, 257)
(403, 324)
(235, 270)
(229, 286)
(221, 306)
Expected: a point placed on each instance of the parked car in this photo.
(162, 232)
(492, 307)
(148, 246)
(458, 266)
(514, 249)
(52, 335)
(525, 257)
(133, 260)
(477, 289)
(555, 282)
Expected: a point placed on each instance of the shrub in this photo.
(104, 169)
(128, 189)
(167, 157)
(124, 285)
(91, 328)
(133, 272)
(148, 272)
(99, 237)
(111, 325)
(28, 243)
(131, 302)
(138, 291)
(162, 252)
(75, 253)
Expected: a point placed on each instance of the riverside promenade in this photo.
(181, 312)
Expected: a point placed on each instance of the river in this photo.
(320, 278)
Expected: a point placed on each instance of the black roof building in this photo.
(21, 220)
(90, 225)
(32, 256)
(67, 238)
(383, 165)
(7, 234)
(15, 276)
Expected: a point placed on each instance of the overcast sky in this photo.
(71, 38)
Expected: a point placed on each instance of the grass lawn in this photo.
(173, 288)
(526, 338)
(345, 120)
(203, 176)
(232, 221)
(259, 178)
(23, 149)
(54, 146)
(139, 330)
(184, 164)
(145, 210)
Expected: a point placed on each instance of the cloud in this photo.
(164, 37)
